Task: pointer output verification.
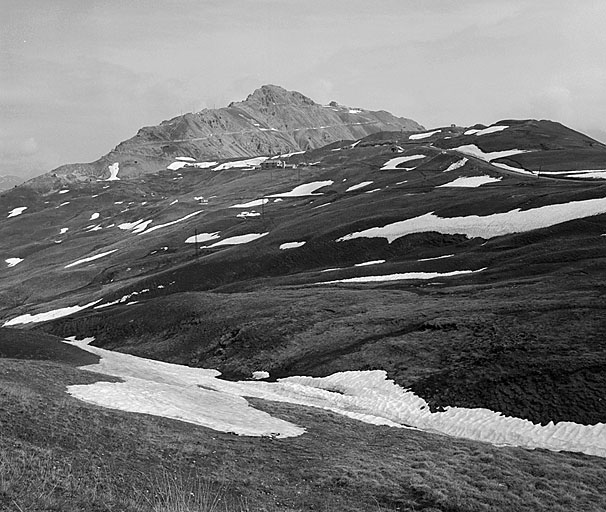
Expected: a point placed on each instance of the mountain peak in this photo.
(274, 95)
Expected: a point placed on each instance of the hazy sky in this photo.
(79, 76)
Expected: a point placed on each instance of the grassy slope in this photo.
(57, 453)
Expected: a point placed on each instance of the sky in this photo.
(77, 77)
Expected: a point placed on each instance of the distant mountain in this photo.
(7, 182)
(270, 121)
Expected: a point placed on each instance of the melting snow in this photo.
(471, 181)
(304, 190)
(196, 395)
(11, 262)
(16, 211)
(394, 162)
(359, 185)
(90, 258)
(237, 240)
(49, 315)
(291, 245)
(113, 172)
(418, 136)
(497, 224)
(202, 237)
(456, 165)
(251, 204)
(486, 131)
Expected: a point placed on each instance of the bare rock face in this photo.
(269, 121)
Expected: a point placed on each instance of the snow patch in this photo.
(202, 237)
(456, 165)
(249, 162)
(16, 211)
(291, 245)
(471, 181)
(367, 263)
(359, 185)
(94, 216)
(114, 169)
(394, 162)
(304, 190)
(90, 258)
(11, 262)
(473, 150)
(237, 240)
(159, 226)
(486, 131)
(251, 204)
(418, 136)
(49, 315)
(401, 277)
(176, 165)
(185, 158)
(63, 231)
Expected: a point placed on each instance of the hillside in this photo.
(457, 273)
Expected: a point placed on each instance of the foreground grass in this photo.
(57, 453)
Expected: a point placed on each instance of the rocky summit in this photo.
(270, 121)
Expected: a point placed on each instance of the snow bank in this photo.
(419, 136)
(497, 224)
(16, 211)
(394, 162)
(304, 190)
(113, 172)
(11, 262)
(359, 185)
(456, 165)
(237, 240)
(196, 395)
(90, 258)
(49, 315)
(291, 245)
(471, 181)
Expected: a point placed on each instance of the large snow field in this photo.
(393, 163)
(497, 224)
(306, 189)
(196, 395)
